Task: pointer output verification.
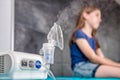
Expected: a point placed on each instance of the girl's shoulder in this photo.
(79, 31)
(80, 34)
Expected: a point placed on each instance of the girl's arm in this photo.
(90, 54)
(99, 52)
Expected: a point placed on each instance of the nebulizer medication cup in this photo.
(48, 50)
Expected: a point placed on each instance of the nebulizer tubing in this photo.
(50, 74)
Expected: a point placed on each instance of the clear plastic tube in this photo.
(50, 74)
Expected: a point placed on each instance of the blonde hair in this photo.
(81, 22)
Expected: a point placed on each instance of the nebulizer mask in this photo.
(55, 38)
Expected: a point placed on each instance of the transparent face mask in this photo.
(55, 36)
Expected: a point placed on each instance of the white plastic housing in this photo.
(11, 66)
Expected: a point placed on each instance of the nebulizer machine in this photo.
(21, 65)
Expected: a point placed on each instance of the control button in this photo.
(31, 64)
(24, 63)
(38, 64)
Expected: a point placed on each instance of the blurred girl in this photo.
(87, 58)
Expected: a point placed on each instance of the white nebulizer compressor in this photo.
(21, 65)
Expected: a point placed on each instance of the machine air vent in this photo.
(5, 64)
(1, 64)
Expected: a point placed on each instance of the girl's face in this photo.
(94, 19)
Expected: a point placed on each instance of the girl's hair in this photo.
(81, 22)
